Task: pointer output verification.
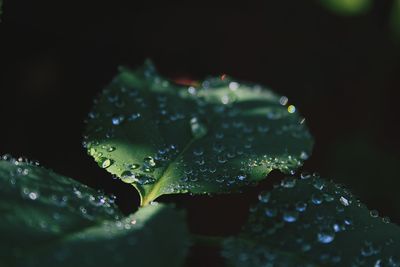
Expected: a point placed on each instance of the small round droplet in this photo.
(241, 177)
(319, 184)
(128, 177)
(303, 155)
(291, 109)
(134, 166)
(264, 197)
(326, 236)
(149, 161)
(374, 213)
(283, 100)
(33, 195)
(288, 182)
(198, 129)
(290, 216)
(270, 212)
(233, 86)
(105, 162)
(301, 206)
(316, 199)
(117, 120)
(344, 201)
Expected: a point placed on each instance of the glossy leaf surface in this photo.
(51, 220)
(215, 137)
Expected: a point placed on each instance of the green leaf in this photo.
(313, 222)
(215, 137)
(51, 220)
(347, 7)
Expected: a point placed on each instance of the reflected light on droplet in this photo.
(291, 109)
(233, 86)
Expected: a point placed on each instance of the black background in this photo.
(341, 72)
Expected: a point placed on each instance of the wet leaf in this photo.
(313, 222)
(51, 220)
(347, 7)
(216, 137)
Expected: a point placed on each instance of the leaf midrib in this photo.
(154, 192)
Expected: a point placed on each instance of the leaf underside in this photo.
(313, 222)
(51, 220)
(213, 137)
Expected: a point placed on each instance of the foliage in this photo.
(50, 219)
(212, 138)
(313, 222)
(216, 136)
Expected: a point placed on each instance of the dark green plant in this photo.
(216, 136)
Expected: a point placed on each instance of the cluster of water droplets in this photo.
(314, 221)
(215, 133)
(51, 197)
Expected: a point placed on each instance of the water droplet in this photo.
(144, 179)
(134, 116)
(241, 177)
(303, 155)
(283, 100)
(233, 86)
(326, 236)
(222, 159)
(344, 201)
(117, 120)
(374, 213)
(328, 198)
(33, 195)
(111, 149)
(149, 162)
(270, 212)
(290, 216)
(291, 109)
(316, 199)
(192, 90)
(105, 162)
(264, 197)
(134, 166)
(305, 175)
(319, 184)
(288, 182)
(128, 177)
(198, 129)
(198, 151)
(301, 206)
(225, 99)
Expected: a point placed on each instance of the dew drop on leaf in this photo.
(105, 162)
(198, 128)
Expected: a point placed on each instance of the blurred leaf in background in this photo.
(347, 7)
(395, 19)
